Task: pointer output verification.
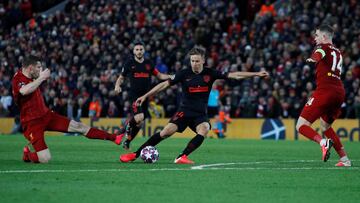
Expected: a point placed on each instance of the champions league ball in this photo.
(149, 154)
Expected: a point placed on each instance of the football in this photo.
(149, 154)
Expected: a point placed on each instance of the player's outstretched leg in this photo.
(192, 146)
(94, 133)
(152, 141)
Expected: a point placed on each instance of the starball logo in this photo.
(273, 129)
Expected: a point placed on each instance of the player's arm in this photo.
(316, 56)
(242, 75)
(162, 76)
(118, 83)
(124, 72)
(158, 88)
(32, 86)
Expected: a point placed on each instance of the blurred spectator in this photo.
(3, 111)
(95, 108)
(267, 8)
(224, 118)
(218, 127)
(6, 99)
(156, 110)
(112, 110)
(26, 9)
(162, 68)
(213, 102)
(17, 126)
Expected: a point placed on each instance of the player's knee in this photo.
(300, 123)
(139, 124)
(324, 126)
(139, 118)
(204, 130)
(165, 133)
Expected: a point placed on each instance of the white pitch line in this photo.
(170, 169)
(92, 170)
(250, 163)
(194, 168)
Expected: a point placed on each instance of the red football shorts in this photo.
(34, 129)
(324, 104)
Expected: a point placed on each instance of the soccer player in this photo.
(325, 102)
(196, 84)
(36, 118)
(139, 70)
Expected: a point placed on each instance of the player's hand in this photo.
(44, 74)
(140, 100)
(263, 74)
(117, 89)
(310, 60)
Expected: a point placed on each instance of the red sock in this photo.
(308, 132)
(95, 133)
(34, 157)
(330, 133)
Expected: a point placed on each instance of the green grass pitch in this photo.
(84, 170)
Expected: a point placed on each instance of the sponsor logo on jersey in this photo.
(333, 75)
(273, 129)
(141, 75)
(198, 89)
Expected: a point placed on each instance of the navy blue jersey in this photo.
(139, 75)
(196, 89)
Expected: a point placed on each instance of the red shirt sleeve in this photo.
(16, 85)
(316, 56)
(155, 72)
(318, 53)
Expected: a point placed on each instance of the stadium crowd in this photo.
(86, 45)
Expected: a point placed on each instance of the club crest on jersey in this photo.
(206, 78)
(148, 67)
(133, 67)
(21, 84)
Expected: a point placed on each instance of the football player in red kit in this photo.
(36, 118)
(326, 101)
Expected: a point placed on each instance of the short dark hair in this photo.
(197, 51)
(30, 60)
(326, 28)
(138, 42)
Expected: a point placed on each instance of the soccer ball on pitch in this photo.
(149, 154)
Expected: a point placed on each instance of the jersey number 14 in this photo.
(336, 65)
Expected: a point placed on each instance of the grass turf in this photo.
(85, 170)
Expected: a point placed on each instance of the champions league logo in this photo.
(273, 129)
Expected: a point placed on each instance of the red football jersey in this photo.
(31, 106)
(328, 68)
